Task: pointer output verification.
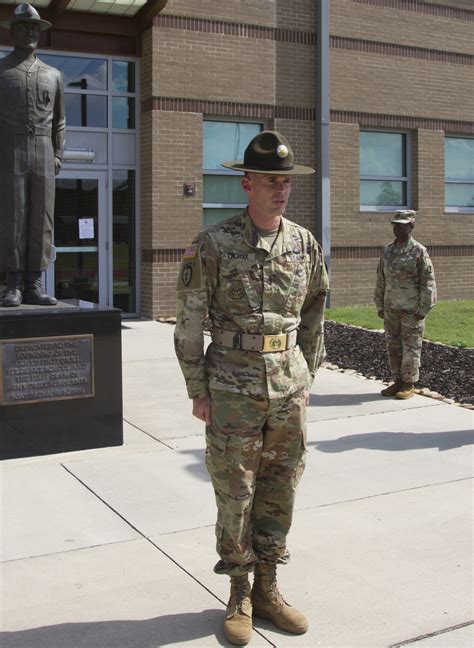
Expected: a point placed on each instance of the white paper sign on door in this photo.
(86, 228)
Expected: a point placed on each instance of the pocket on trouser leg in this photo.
(216, 461)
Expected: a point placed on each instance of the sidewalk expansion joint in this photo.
(432, 634)
(150, 541)
(367, 497)
(148, 434)
(67, 551)
(335, 418)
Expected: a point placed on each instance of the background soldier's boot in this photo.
(392, 389)
(12, 297)
(268, 603)
(34, 293)
(238, 619)
(406, 391)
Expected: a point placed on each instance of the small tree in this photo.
(388, 197)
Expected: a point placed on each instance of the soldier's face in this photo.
(268, 193)
(402, 231)
(25, 35)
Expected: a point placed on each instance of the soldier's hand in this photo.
(202, 409)
(57, 165)
(380, 313)
(306, 397)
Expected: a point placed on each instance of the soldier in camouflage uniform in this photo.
(260, 280)
(405, 292)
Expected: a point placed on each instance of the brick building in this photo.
(377, 94)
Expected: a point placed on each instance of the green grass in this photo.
(450, 322)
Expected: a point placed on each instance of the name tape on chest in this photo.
(239, 256)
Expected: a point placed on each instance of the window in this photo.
(384, 178)
(223, 141)
(459, 174)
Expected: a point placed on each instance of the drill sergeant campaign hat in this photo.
(404, 216)
(24, 12)
(269, 152)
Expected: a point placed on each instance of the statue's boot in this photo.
(407, 390)
(238, 618)
(34, 293)
(13, 295)
(392, 389)
(268, 603)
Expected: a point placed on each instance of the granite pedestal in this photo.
(60, 378)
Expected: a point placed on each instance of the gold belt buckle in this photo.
(274, 342)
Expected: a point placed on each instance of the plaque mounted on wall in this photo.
(34, 370)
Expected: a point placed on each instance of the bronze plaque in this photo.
(33, 370)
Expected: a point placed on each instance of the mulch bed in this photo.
(448, 371)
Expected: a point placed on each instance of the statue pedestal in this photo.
(60, 378)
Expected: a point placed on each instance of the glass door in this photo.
(79, 270)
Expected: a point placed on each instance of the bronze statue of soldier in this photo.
(32, 126)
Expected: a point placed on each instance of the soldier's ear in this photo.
(246, 183)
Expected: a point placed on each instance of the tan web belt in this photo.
(249, 342)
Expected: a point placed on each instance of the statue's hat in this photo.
(24, 12)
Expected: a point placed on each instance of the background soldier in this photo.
(32, 128)
(261, 281)
(405, 292)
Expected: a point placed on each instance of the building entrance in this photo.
(81, 235)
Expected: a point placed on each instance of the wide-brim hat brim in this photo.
(403, 221)
(44, 25)
(296, 169)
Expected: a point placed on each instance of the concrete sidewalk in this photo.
(114, 548)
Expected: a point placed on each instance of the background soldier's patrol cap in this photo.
(269, 152)
(24, 12)
(404, 216)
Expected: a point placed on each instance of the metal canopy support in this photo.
(323, 214)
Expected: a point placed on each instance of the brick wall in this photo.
(391, 63)
(195, 65)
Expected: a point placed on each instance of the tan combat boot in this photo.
(268, 603)
(406, 391)
(238, 619)
(392, 389)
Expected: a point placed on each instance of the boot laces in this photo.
(36, 286)
(239, 590)
(270, 585)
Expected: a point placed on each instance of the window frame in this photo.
(408, 178)
(449, 180)
(223, 171)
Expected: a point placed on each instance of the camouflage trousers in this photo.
(255, 455)
(403, 336)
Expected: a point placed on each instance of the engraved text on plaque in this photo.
(44, 369)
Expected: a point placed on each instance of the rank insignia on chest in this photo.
(187, 273)
(236, 291)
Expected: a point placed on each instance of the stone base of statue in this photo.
(60, 378)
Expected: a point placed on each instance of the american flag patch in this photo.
(189, 252)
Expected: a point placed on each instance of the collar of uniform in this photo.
(22, 65)
(283, 242)
(250, 233)
(404, 248)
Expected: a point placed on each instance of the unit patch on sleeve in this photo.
(187, 273)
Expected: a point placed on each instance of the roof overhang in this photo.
(105, 21)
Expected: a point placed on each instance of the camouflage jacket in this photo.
(230, 276)
(405, 279)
